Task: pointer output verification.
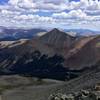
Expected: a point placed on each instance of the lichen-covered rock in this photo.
(61, 97)
(82, 95)
(68, 97)
(85, 92)
(51, 97)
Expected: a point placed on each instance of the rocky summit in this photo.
(92, 93)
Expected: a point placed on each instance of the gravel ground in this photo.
(42, 92)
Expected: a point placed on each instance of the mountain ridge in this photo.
(75, 54)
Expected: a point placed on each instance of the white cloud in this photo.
(8, 12)
(46, 5)
(13, 2)
(56, 2)
(35, 18)
(26, 13)
(74, 14)
(22, 3)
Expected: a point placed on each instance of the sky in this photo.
(64, 14)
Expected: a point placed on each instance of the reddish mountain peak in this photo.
(57, 38)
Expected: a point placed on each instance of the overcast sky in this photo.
(50, 14)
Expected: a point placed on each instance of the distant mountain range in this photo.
(15, 33)
(82, 32)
